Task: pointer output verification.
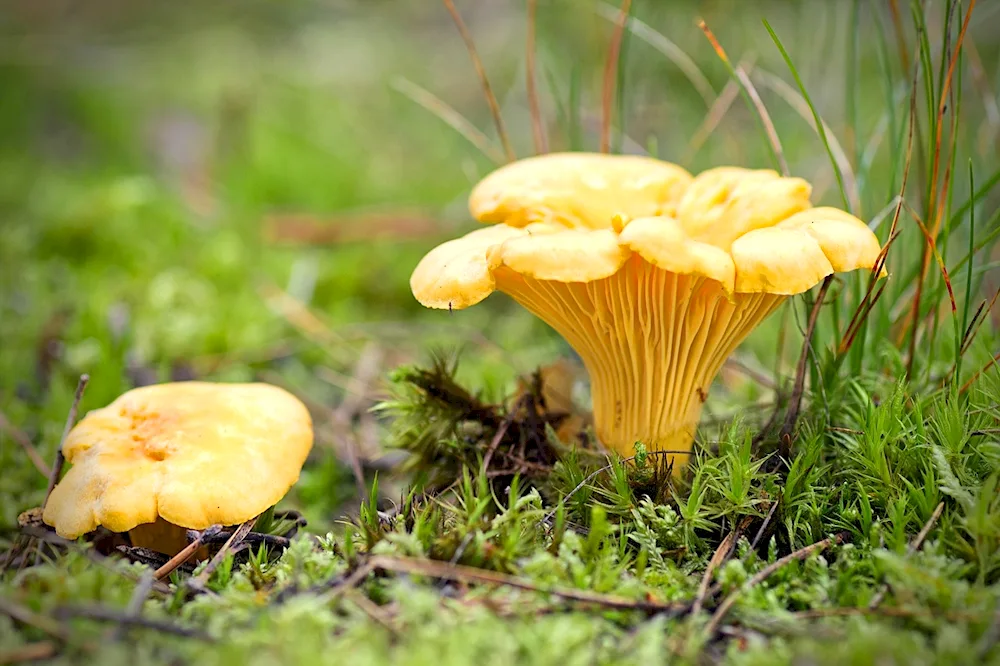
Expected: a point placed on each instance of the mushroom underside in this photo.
(652, 341)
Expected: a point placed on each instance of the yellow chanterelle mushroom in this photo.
(187, 455)
(652, 275)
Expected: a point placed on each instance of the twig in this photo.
(610, 69)
(974, 377)
(240, 533)
(342, 584)
(762, 575)
(501, 431)
(254, 538)
(914, 546)
(371, 609)
(56, 471)
(795, 402)
(721, 554)
(890, 611)
(27, 616)
(186, 553)
(466, 574)
(29, 652)
(134, 608)
(25, 442)
(491, 99)
(763, 526)
(102, 614)
(537, 124)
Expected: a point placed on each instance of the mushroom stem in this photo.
(159, 536)
(652, 341)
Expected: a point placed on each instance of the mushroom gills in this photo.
(652, 341)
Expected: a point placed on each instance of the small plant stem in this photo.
(795, 402)
(761, 576)
(56, 471)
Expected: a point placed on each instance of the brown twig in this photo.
(762, 575)
(24, 441)
(36, 651)
(610, 71)
(795, 402)
(235, 539)
(341, 584)
(56, 471)
(252, 538)
(29, 617)
(914, 546)
(371, 609)
(186, 553)
(134, 608)
(466, 574)
(720, 555)
(101, 614)
(501, 431)
(890, 611)
(976, 322)
(974, 377)
(491, 99)
(763, 525)
(537, 124)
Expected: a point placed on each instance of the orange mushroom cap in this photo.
(194, 454)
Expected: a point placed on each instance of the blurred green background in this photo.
(239, 190)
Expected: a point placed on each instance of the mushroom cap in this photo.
(578, 217)
(578, 190)
(193, 453)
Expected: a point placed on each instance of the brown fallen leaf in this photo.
(351, 227)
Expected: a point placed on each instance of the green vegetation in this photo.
(161, 168)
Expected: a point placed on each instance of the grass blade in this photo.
(537, 126)
(670, 50)
(818, 121)
(491, 99)
(450, 117)
(610, 75)
(752, 99)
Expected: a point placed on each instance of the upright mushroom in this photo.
(187, 455)
(652, 275)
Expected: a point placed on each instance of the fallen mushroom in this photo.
(652, 275)
(163, 459)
